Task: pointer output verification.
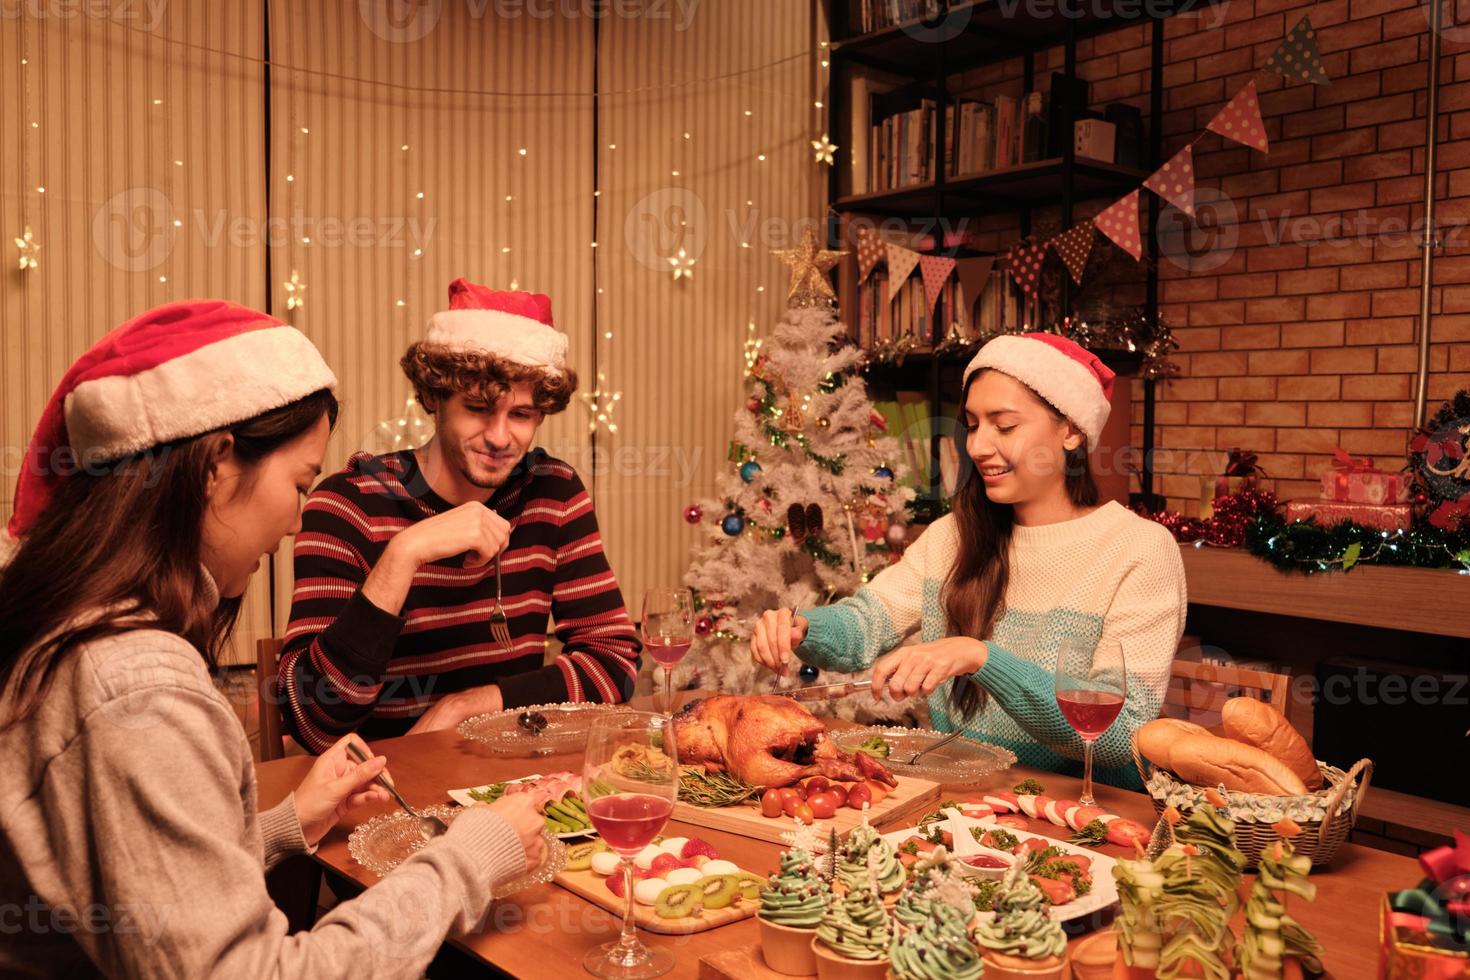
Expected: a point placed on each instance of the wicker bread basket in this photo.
(1325, 816)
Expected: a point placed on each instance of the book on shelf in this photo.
(875, 15)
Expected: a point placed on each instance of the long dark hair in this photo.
(119, 548)
(974, 593)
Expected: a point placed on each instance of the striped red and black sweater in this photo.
(350, 666)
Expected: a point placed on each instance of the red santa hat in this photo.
(177, 371)
(1066, 375)
(508, 323)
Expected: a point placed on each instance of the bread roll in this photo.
(1156, 739)
(1257, 723)
(1207, 760)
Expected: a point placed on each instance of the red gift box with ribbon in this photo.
(1358, 481)
(1425, 931)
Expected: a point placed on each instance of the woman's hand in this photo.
(523, 812)
(921, 668)
(777, 633)
(336, 783)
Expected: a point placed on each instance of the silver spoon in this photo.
(939, 744)
(430, 826)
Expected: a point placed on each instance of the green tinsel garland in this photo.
(1308, 547)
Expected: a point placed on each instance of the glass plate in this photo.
(386, 841)
(964, 760)
(565, 731)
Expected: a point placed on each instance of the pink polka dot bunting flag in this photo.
(1074, 246)
(901, 262)
(1119, 221)
(936, 270)
(1240, 120)
(1023, 262)
(869, 252)
(1174, 181)
(1297, 57)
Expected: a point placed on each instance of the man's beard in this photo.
(460, 458)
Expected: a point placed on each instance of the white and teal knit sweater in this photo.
(1107, 575)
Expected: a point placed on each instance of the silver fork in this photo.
(499, 625)
(430, 826)
(939, 744)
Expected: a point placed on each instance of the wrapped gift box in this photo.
(1408, 950)
(1387, 517)
(1357, 481)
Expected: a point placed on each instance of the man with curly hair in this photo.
(396, 558)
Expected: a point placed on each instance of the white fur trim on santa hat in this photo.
(516, 338)
(217, 385)
(1067, 385)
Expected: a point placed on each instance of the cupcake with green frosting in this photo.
(854, 935)
(939, 949)
(852, 855)
(1022, 942)
(915, 902)
(792, 903)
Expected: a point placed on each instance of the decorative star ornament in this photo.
(824, 149)
(28, 249)
(683, 266)
(295, 291)
(600, 404)
(809, 265)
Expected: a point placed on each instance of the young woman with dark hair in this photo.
(172, 457)
(1026, 559)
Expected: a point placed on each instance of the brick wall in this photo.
(1295, 304)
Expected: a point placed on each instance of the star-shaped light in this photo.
(809, 265)
(295, 291)
(28, 249)
(824, 148)
(683, 265)
(600, 404)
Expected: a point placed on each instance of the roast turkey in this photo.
(766, 740)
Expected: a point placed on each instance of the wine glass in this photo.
(668, 631)
(1091, 685)
(630, 782)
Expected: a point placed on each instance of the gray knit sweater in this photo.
(130, 844)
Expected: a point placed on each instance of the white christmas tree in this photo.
(813, 505)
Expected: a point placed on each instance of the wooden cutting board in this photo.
(592, 887)
(911, 799)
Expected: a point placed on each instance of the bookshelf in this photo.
(918, 59)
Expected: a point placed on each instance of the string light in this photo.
(824, 148)
(683, 265)
(295, 291)
(26, 242)
(600, 404)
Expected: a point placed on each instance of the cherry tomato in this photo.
(858, 795)
(817, 784)
(823, 805)
(788, 793)
(803, 813)
(771, 803)
(840, 791)
(790, 804)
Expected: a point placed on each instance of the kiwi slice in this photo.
(579, 857)
(718, 890)
(750, 885)
(677, 901)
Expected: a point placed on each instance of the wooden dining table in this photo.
(545, 930)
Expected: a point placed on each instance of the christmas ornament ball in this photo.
(895, 535)
(693, 514)
(733, 524)
(808, 672)
(703, 625)
(883, 472)
(749, 470)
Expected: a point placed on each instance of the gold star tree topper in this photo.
(809, 265)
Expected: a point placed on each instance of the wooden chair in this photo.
(1197, 691)
(268, 702)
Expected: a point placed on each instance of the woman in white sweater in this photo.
(173, 455)
(1026, 559)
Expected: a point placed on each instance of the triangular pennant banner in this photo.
(1119, 221)
(1174, 181)
(1074, 246)
(1297, 56)
(1240, 120)
(974, 276)
(869, 252)
(901, 262)
(936, 270)
(1024, 263)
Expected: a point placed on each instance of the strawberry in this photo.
(695, 847)
(664, 863)
(615, 884)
